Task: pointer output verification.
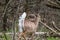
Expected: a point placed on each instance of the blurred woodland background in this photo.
(49, 10)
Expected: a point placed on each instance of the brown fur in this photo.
(30, 24)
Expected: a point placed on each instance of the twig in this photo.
(46, 34)
(49, 28)
(36, 33)
(42, 33)
(58, 2)
(14, 27)
(52, 4)
(5, 20)
(5, 36)
(6, 7)
(55, 26)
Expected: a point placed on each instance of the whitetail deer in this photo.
(30, 25)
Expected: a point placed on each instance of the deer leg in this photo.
(19, 36)
(24, 36)
(32, 36)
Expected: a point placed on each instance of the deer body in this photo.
(30, 25)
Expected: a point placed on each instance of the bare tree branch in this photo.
(46, 34)
(55, 26)
(49, 28)
(53, 4)
(6, 7)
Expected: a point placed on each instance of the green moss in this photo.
(53, 38)
(2, 37)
